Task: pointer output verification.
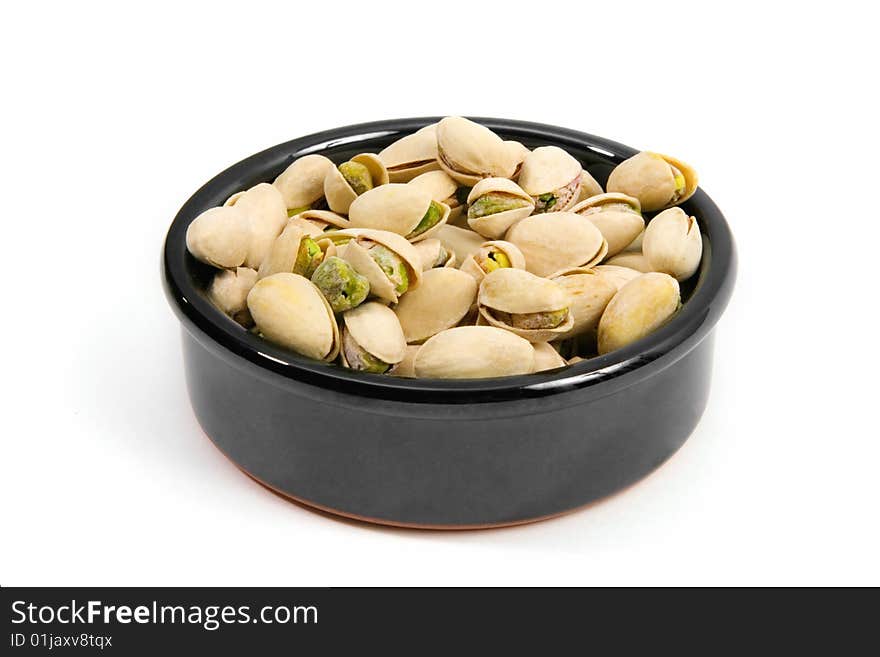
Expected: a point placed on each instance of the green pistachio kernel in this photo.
(356, 175)
(495, 260)
(493, 203)
(393, 266)
(359, 358)
(432, 216)
(292, 212)
(546, 320)
(308, 257)
(545, 202)
(340, 284)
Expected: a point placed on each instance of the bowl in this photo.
(436, 453)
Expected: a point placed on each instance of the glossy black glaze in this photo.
(445, 453)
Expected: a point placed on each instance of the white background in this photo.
(112, 116)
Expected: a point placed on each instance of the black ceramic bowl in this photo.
(436, 453)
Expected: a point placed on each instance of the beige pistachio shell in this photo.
(494, 226)
(339, 193)
(229, 290)
(412, 155)
(302, 183)
(406, 368)
(395, 207)
(636, 245)
(649, 177)
(438, 185)
(376, 329)
(316, 222)
(631, 260)
(574, 360)
(434, 254)
(639, 308)
(617, 275)
(462, 241)
(471, 265)
(557, 240)
(291, 312)
(550, 169)
(283, 252)
(474, 352)
(589, 187)
(673, 244)
(220, 237)
(516, 291)
(517, 153)
(348, 246)
(265, 209)
(618, 227)
(588, 295)
(546, 357)
(440, 302)
(468, 151)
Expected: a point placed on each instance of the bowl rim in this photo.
(683, 332)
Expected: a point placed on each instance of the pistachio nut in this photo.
(349, 180)
(229, 290)
(316, 222)
(493, 255)
(399, 208)
(673, 244)
(636, 245)
(638, 309)
(372, 340)
(412, 155)
(302, 183)
(658, 181)
(441, 301)
(434, 254)
(631, 260)
(552, 178)
(474, 352)
(462, 241)
(390, 263)
(342, 286)
(496, 204)
(559, 240)
(407, 367)
(264, 207)
(220, 237)
(291, 312)
(588, 295)
(517, 153)
(468, 151)
(534, 308)
(546, 357)
(293, 251)
(438, 185)
(589, 187)
(617, 216)
(617, 275)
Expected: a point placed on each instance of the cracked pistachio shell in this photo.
(673, 244)
(316, 222)
(588, 295)
(462, 241)
(339, 193)
(473, 352)
(617, 275)
(557, 240)
(618, 227)
(493, 226)
(220, 237)
(349, 245)
(639, 308)
(395, 207)
(516, 291)
(468, 151)
(434, 254)
(650, 177)
(546, 357)
(589, 187)
(550, 169)
(291, 312)
(267, 214)
(407, 367)
(471, 265)
(438, 185)
(229, 290)
(441, 301)
(302, 183)
(631, 260)
(376, 329)
(283, 252)
(412, 155)
(517, 153)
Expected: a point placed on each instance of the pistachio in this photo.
(302, 183)
(229, 290)
(372, 340)
(552, 178)
(617, 216)
(442, 300)
(393, 266)
(468, 151)
(432, 216)
(493, 255)
(532, 307)
(473, 352)
(616, 275)
(631, 260)
(434, 254)
(560, 240)
(411, 155)
(658, 181)
(358, 358)
(292, 251)
(220, 237)
(546, 357)
(403, 209)
(264, 207)
(391, 270)
(308, 257)
(340, 284)
(406, 367)
(493, 203)
(496, 204)
(357, 176)
(639, 308)
(673, 244)
(588, 293)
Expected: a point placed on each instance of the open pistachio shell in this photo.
(474, 352)
(302, 183)
(376, 330)
(293, 251)
(229, 290)
(434, 254)
(407, 367)
(589, 187)
(462, 241)
(267, 214)
(658, 181)
(291, 312)
(412, 155)
(639, 308)
(397, 208)
(317, 222)
(517, 153)
(617, 216)
(441, 301)
(588, 294)
(631, 260)
(508, 296)
(546, 357)
(491, 256)
(673, 244)
(487, 201)
(340, 194)
(552, 178)
(468, 151)
(220, 237)
(617, 275)
(558, 240)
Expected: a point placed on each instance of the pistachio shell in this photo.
(517, 153)
(356, 255)
(442, 300)
(546, 357)
(434, 254)
(437, 184)
(229, 290)
(395, 207)
(547, 169)
(291, 312)
(636, 245)
(574, 360)
(376, 329)
(472, 352)
(468, 151)
(649, 177)
(220, 237)
(462, 241)
(618, 227)
(472, 266)
(316, 222)
(558, 240)
(673, 244)
(631, 261)
(267, 214)
(406, 368)
(517, 292)
(412, 155)
(588, 295)
(589, 187)
(493, 226)
(639, 308)
(617, 275)
(302, 183)
(339, 193)
(283, 252)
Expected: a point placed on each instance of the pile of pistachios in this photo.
(453, 253)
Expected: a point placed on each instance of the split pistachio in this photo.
(638, 309)
(559, 240)
(493, 255)
(293, 251)
(588, 295)
(546, 357)
(412, 155)
(496, 204)
(302, 183)
(317, 222)
(443, 299)
(552, 178)
(372, 340)
(673, 244)
(474, 352)
(340, 284)
(403, 209)
(531, 307)
(390, 263)
(589, 187)
(229, 290)
(468, 151)
(343, 184)
(434, 254)
(220, 237)
(617, 216)
(517, 153)
(658, 181)
(462, 241)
